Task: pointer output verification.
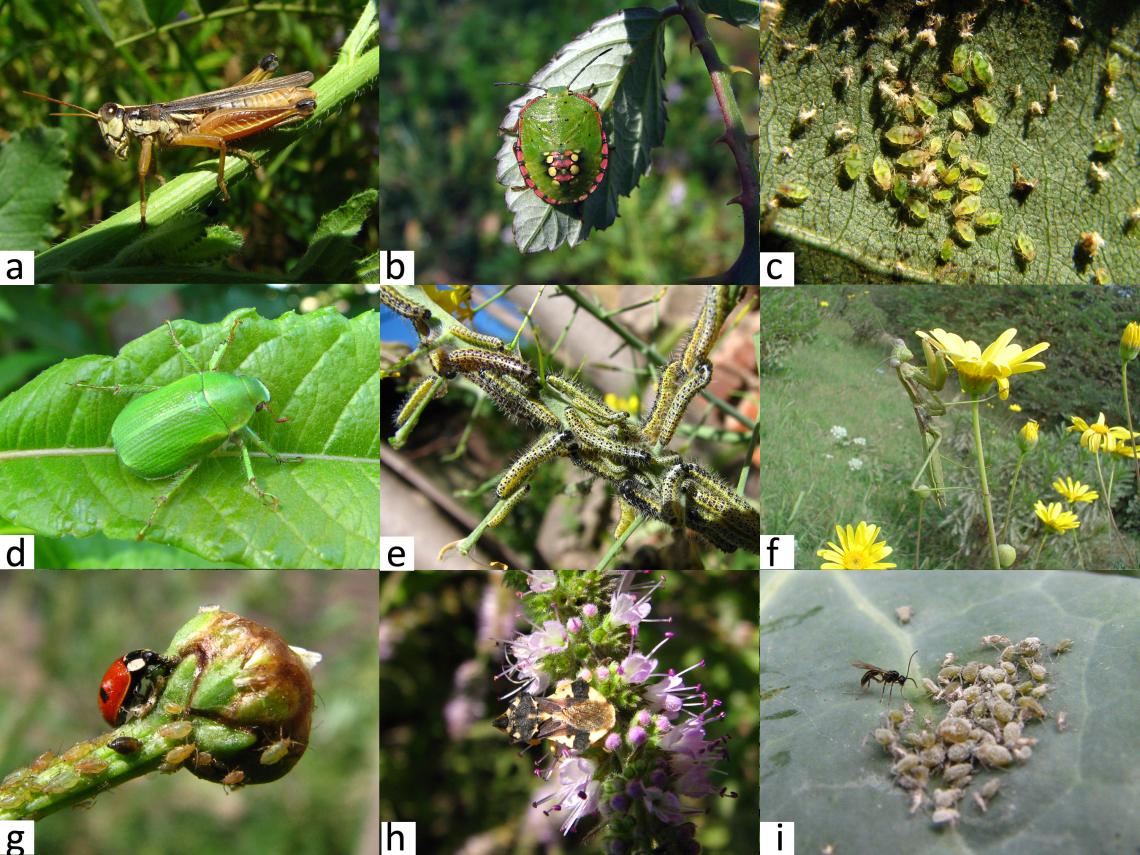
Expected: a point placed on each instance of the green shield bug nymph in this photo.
(168, 431)
(560, 145)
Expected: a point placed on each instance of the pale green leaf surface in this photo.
(627, 84)
(330, 255)
(33, 176)
(820, 767)
(59, 475)
(845, 233)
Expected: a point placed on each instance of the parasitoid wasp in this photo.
(874, 672)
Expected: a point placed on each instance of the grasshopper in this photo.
(210, 120)
(922, 387)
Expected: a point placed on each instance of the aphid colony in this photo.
(989, 707)
(609, 444)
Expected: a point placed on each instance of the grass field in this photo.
(812, 480)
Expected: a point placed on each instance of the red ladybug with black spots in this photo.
(132, 684)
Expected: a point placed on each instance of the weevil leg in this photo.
(182, 348)
(272, 501)
(224, 346)
(163, 498)
(248, 433)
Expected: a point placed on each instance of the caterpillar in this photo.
(603, 444)
(717, 485)
(418, 315)
(711, 512)
(671, 491)
(636, 494)
(509, 504)
(418, 398)
(477, 338)
(440, 364)
(709, 322)
(584, 400)
(666, 389)
(603, 467)
(542, 449)
(693, 384)
(470, 360)
(510, 397)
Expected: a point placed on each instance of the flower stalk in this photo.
(986, 504)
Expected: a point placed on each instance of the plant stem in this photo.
(1107, 494)
(1037, 558)
(298, 8)
(1009, 504)
(746, 268)
(985, 483)
(918, 536)
(1128, 412)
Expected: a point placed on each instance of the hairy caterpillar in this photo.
(671, 491)
(709, 322)
(510, 397)
(634, 493)
(716, 511)
(510, 502)
(470, 361)
(717, 485)
(546, 446)
(692, 384)
(584, 400)
(440, 364)
(477, 338)
(418, 315)
(603, 467)
(602, 444)
(418, 398)
(666, 390)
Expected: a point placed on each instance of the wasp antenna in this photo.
(86, 114)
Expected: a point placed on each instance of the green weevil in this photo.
(168, 431)
(560, 145)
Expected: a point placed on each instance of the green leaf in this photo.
(627, 83)
(846, 232)
(33, 177)
(59, 475)
(820, 768)
(741, 13)
(162, 11)
(331, 254)
(92, 10)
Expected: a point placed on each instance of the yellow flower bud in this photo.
(1130, 342)
(1027, 436)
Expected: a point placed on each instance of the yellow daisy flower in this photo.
(857, 550)
(1015, 408)
(977, 368)
(1098, 435)
(1075, 491)
(1058, 520)
(1130, 342)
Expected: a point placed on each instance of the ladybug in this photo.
(560, 144)
(131, 685)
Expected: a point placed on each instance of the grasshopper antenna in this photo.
(86, 114)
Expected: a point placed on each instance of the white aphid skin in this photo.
(542, 449)
(697, 380)
(510, 397)
(509, 504)
(470, 361)
(582, 399)
(477, 338)
(603, 444)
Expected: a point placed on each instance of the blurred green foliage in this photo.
(444, 766)
(61, 51)
(64, 630)
(441, 61)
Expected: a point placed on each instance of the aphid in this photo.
(175, 757)
(175, 730)
(848, 34)
(477, 338)
(1035, 109)
(843, 132)
(1022, 186)
(890, 67)
(955, 83)
(917, 209)
(983, 70)
(125, 745)
(792, 194)
(959, 58)
(510, 396)
(942, 195)
(954, 144)
(542, 449)
(233, 779)
(961, 121)
(904, 614)
(904, 136)
(1097, 174)
(992, 754)
(926, 106)
(277, 751)
(575, 715)
(934, 145)
(853, 162)
(901, 188)
(967, 206)
(1030, 707)
(844, 77)
(1071, 46)
(1090, 244)
(979, 168)
(988, 219)
(970, 185)
(1062, 719)
(927, 37)
(950, 176)
(1075, 23)
(509, 505)
(1108, 143)
(946, 252)
(881, 172)
(1054, 95)
(1063, 646)
(1113, 66)
(913, 158)
(985, 111)
(804, 118)
(1015, 93)
(964, 231)
(966, 25)
(887, 678)
(91, 766)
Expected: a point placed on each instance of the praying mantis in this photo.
(922, 386)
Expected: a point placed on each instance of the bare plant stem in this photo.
(985, 484)
(1128, 413)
